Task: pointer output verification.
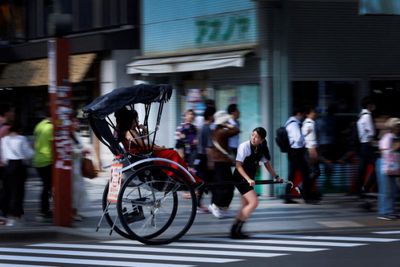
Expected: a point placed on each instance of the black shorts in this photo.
(244, 186)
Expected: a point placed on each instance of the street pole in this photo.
(61, 112)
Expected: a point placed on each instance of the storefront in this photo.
(211, 53)
(328, 55)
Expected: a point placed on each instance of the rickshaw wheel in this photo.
(111, 215)
(150, 207)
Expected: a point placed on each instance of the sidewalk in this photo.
(335, 211)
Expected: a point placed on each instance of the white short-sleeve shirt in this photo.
(244, 151)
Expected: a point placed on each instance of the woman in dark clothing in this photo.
(15, 150)
(250, 154)
(222, 196)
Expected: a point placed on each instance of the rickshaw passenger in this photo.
(132, 136)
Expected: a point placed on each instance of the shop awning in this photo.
(188, 63)
(36, 72)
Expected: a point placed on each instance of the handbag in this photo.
(391, 163)
(88, 169)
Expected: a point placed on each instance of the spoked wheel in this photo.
(151, 207)
(111, 215)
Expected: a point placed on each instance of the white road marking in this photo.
(284, 242)
(332, 238)
(161, 250)
(117, 255)
(387, 232)
(88, 262)
(221, 245)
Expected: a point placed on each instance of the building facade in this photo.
(103, 36)
(325, 54)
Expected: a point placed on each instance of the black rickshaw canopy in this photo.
(98, 111)
(121, 97)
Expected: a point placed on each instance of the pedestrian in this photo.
(233, 143)
(43, 162)
(79, 151)
(296, 155)
(366, 134)
(250, 154)
(186, 141)
(389, 143)
(201, 164)
(186, 138)
(16, 153)
(6, 118)
(309, 131)
(222, 195)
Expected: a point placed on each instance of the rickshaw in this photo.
(142, 200)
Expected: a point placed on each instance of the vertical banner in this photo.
(61, 111)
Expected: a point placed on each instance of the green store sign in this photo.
(230, 28)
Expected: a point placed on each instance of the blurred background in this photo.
(267, 56)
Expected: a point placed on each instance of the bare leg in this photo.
(249, 204)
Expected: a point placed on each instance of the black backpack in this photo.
(282, 138)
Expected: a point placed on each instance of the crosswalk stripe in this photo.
(161, 250)
(332, 238)
(187, 243)
(117, 255)
(22, 265)
(284, 242)
(387, 232)
(88, 262)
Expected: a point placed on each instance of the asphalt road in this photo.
(353, 248)
(282, 235)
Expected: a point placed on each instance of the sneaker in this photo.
(215, 211)
(202, 210)
(387, 217)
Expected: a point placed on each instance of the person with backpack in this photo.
(297, 155)
(366, 134)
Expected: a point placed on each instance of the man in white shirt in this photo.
(311, 143)
(296, 155)
(366, 134)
